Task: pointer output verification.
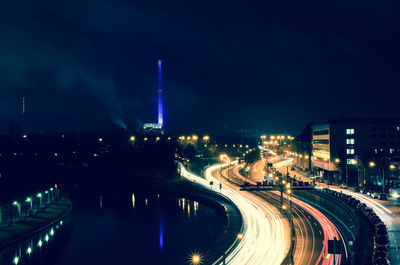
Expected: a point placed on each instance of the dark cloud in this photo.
(262, 65)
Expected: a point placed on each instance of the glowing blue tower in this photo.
(160, 100)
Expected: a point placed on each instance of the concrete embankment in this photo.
(29, 226)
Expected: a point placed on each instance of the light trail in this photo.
(329, 229)
(264, 240)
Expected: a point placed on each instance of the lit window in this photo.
(349, 141)
(349, 131)
(350, 151)
(391, 150)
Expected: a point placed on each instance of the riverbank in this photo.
(26, 228)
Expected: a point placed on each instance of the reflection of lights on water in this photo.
(133, 200)
(161, 237)
(188, 209)
(40, 243)
(16, 260)
(179, 203)
(146, 202)
(183, 204)
(196, 207)
(101, 202)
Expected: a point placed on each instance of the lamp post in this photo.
(372, 164)
(337, 162)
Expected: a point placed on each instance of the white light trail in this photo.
(264, 240)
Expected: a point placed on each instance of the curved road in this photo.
(312, 228)
(265, 239)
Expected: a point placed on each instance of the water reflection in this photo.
(24, 250)
(146, 228)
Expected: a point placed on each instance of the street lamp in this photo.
(196, 259)
(372, 164)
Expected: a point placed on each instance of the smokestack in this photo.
(159, 93)
(23, 105)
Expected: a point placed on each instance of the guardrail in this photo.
(21, 208)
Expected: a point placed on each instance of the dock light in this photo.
(39, 195)
(371, 164)
(100, 140)
(51, 189)
(40, 243)
(392, 167)
(46, 192)
(29, 250)
(132, 138)
(16, 260)
(337, 160)
(240, 236)
(15, 203)
(46, 238)
(52, 232)
(145, 138)
(28, 199)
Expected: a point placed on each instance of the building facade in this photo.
(352, 141)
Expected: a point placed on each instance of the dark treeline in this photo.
(33, 162)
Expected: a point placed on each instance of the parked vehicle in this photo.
(382, 197)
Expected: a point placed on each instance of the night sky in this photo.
(268, 66)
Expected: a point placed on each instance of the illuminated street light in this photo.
(392, 167)
(240, 236)
(132, 138)
(196, 259)
(371, 164)
(100, 140)
(337, 160)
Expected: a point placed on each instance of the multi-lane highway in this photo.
(388, 211)
(313, 229)
(265, 234)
